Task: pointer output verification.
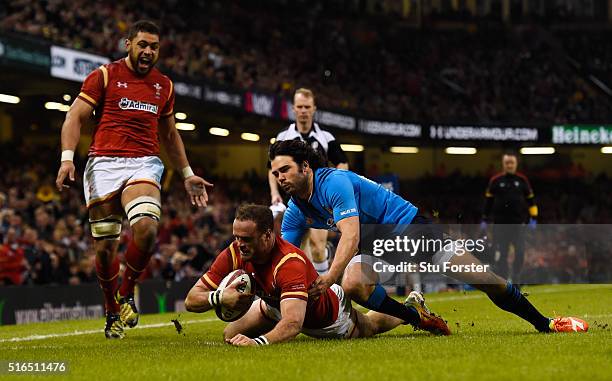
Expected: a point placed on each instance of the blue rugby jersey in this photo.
(340, 194)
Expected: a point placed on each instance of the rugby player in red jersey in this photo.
(133, 103)
(283, 275)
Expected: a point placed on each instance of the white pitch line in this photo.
(94, 331)
(596, 316)
(159, 325)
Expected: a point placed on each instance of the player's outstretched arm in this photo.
(347, 247)
(197, 298)
(76, 117)
(293, 312)
(171, 139)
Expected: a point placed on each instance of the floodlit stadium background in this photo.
(425, 95)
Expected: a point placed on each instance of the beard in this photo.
(296, 187)
(142, 65)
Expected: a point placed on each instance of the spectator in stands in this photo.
(13, 265)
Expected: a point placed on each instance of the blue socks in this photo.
(379, 301)
(512, 300)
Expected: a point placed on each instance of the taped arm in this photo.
(198, 299)
(293, 312)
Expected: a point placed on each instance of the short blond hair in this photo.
(305, 92)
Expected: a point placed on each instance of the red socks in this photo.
(136, 262)
(107, 278)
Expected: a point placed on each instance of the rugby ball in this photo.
(246, 285)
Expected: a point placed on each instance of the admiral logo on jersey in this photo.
(128, 104)
(128, 111)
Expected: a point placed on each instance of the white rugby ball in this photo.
(246, 285)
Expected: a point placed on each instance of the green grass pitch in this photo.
(487, 344)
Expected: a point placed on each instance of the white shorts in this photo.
(106, 176)
(371, 260)
(342, 328)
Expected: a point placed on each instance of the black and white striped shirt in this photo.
(320, 140)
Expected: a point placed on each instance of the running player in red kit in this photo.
(133, 103)
(283, 274)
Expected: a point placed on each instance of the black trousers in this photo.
(505, 235)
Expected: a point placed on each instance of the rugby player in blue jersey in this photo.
(335, 199)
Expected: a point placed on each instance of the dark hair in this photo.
(260, 214)
(510, 153)
(142, 26)
(299, 151)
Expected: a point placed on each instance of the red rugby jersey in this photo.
(128, 108)
(288, 274)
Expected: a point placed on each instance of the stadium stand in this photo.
(496, 73)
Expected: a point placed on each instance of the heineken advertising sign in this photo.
(582, 134)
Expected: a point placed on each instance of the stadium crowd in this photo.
(45, 238)
(354, 62)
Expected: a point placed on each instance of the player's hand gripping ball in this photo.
(235, 306)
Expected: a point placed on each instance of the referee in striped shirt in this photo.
(306, 130)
